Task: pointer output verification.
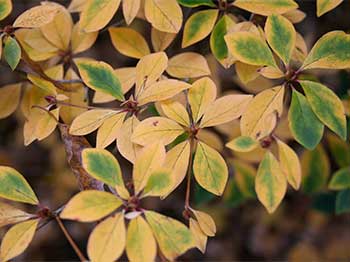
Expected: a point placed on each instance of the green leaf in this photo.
(5, 8)
(12, 52)
(304, 125)
(195, 3)
(14, 187)
(315, 169)
(331, 51)
(243, 144)
(341, 179)
(266, 7)
(327, 106)
(198, 26)
(342, 203)
(102, 165)
(100, 77)
(217, 41)
(249, 48)
(281, 36)
(210, 169)
(173, 237)
(270, 183)
(90, 205)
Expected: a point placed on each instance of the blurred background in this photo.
(304, 228)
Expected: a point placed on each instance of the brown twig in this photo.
(70, 240)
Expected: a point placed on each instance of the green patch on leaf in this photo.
(243, 144)
(195, 3)
(306, 128)
(341, 179)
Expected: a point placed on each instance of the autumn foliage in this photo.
(167, 117)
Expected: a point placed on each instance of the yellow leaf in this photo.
(162, 90)
(130, 10)
(109, 130)
(156, 129)
(126, 147)
(37, 16)
(140, 244)
(260, 117)
(176, 111)
(90, 205)
(173, 237)
(17, 239)
(271, 72)
(198, 235)
(270, 183)
(324, 6)
(200, 96)
(76, 97)
(159, 183)
(42, 83)
(290, 164)
(177, 160)
(245, 72)
(199, 26)
(266, 7)
(89, 121)
(76, 6)
(210, 169)
(81, 41)
(107, 240)
(129, 42)
(295, 16)
(188, 65)
(161, 40)
(91, 19)
(11, 215)
(6, 8)
(149, 69)
(225, 109)
(149, 159)
(211, 139)
(206, 223)
(9, 97)
(164, 15)
(59, 30)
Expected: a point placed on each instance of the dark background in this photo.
(303, 229)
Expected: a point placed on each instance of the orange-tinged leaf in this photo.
(188, 65)
(156, 129)
(199, 237)
(161, 40)
(162, 90)
(206, 223)
(200, 96)
(164, 15)
(17, 239)
(149, 69)
(129, 42)
(89, 121)
(225, 109)
(126, 147)
(140, 244)
(37, 16)
(109, 130)
(260, 117)
(90, 205)
(130, 10)
(91, 19)
(149, 159)
(81, 41)
(11, 215)
(107, 240)
(9, 97)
